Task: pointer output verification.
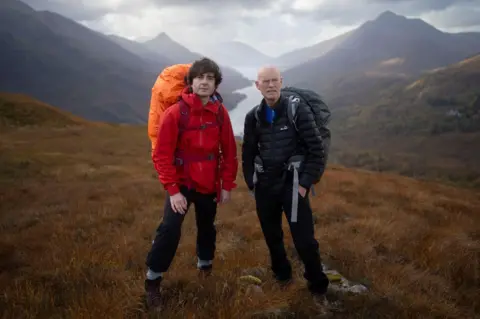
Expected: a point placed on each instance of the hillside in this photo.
(18, 110)
(79, 208)
(391, 46)
(237, 54)
(410, 125)
(61, 62)
(164, 46)
(66, 71)
(305, 54)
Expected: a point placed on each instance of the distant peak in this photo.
(162, 35)
(389, 15)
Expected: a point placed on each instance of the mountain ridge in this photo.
(62, 62)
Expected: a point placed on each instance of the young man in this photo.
(192, 170)
(270, 138)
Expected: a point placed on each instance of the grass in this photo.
(19, 110)
(79, 207)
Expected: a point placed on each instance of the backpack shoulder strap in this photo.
(255, 115)
(220, 115)
(184, 113)
(293, 103)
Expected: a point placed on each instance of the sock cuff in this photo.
(151, 275)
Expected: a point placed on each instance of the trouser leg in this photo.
(167, 237)
(205, 213)
(269, 212)
(303, 233)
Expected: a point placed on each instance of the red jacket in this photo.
(206, 176)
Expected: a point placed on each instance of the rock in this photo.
(254, 291)
(256, 272)
(357, 289)
(333, 275)
(249, 279)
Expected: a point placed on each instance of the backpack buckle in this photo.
(178, 161)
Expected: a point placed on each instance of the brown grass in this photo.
(79, 207)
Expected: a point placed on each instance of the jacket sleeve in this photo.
(228, 144)
(163, 154)
(249, 149)
(314, 163)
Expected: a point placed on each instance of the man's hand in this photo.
(178, 203)
(302, 190)
(224, 197)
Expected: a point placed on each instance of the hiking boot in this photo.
(283, 282)
(152, 291)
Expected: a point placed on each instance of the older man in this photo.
(271, 142)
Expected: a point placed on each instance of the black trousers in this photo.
(168, 232)
(270, 207)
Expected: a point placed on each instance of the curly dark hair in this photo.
(202, 66)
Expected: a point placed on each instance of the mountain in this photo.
(140, 50)
(389, 46)
(61, 62)
(429, 126)
(237, 54)
(302, 55)
(58, 61)
(164, 46)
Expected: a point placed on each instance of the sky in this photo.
(272, 26)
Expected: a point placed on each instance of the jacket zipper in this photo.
(201, 139)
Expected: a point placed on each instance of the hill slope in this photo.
(79, 208)
(164, 46)
(302, 55)
(61, 62)
(17, 110)
(412, 123)
(39, 57)
(390, 46)
(237, 54)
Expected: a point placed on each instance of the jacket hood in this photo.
(193, 100)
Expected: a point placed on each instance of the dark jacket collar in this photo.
(279, 108)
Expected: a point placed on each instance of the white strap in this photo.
(295, 166)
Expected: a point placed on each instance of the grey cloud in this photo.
(358, 11)
(73, 9)
(216, 4)
(454, 13)
(418, 7)
(465, 20)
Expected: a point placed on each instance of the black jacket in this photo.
(275, 143)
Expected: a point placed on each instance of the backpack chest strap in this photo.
(182, 157)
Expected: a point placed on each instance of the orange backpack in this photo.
(165, 93)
